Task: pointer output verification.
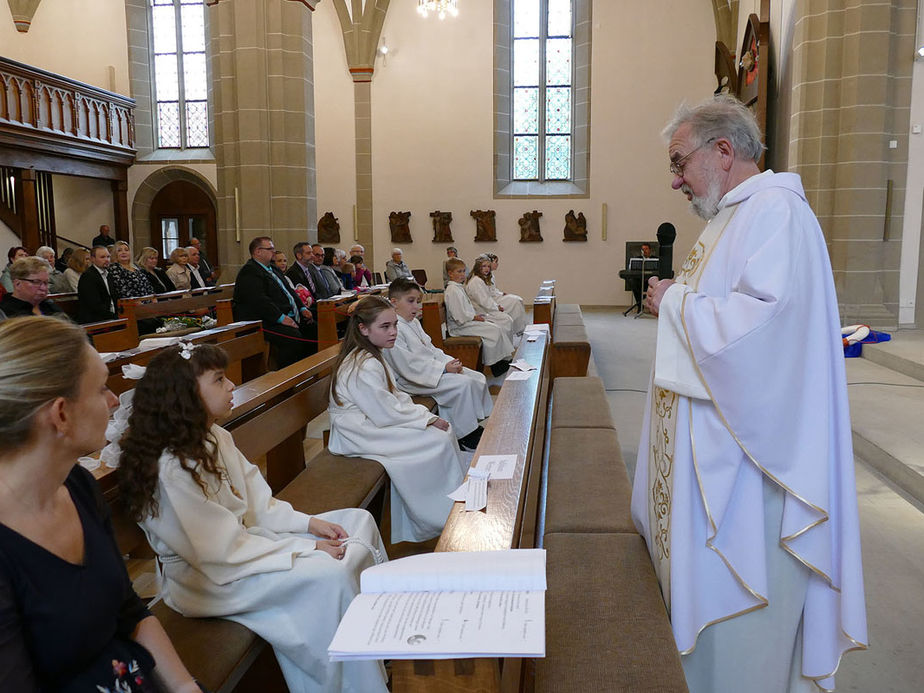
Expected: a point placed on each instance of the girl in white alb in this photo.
(228, 548)
(370, 417)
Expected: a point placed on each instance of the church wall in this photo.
(80, 39)
(432, 130)
(81, 206)
(8, 239)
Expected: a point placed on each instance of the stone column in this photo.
(851, 98)
(263, 106)
(361, 24)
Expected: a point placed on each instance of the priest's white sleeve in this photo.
(675, 369)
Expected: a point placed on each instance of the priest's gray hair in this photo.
(720, 117)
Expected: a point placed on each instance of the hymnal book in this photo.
(451, 605)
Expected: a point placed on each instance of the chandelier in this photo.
(441, 7)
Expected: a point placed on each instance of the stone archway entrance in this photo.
(199, 197)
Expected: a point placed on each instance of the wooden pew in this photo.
(571, 348)
(243, 341)
(516, 426)
(110, 335)
(466, 349)
(171, 303)
(67, 302)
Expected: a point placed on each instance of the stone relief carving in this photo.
(575, 226)
(485, 225)
(529, 227)
(441, 231)
(399, 222)
(328, 229)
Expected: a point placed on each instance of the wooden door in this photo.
(179, 212)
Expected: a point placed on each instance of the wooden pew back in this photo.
(466, 349)
(171, 303)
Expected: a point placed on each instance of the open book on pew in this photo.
(450, 605)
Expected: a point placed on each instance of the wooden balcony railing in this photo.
(49, 113)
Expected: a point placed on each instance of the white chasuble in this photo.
(422, 461)
(749, 343)
(420, 369)
(236, 552)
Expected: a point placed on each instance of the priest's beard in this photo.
(707, 206)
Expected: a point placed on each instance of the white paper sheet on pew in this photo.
(157, 343)
(518, 375)
(497, 466)
(522, 365)
(473, 491)
(532, 336)
(536, 327)
(108, 356)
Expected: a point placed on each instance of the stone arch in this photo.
(153, 184)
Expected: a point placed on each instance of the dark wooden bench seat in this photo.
(606, 625)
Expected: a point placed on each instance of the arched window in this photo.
(542, 90)
(180, 81)
(542, 98)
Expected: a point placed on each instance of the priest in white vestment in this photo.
(744, 488)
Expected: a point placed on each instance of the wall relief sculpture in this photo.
(529, 227)
(485, 225)
(399, 222)
(441, 231)
(575, 227)
(328, 229)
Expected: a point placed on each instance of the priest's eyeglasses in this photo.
(678, 165)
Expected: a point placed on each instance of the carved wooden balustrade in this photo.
(49, 113)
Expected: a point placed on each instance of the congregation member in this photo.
(228, 548)
(77, 264)
(14, 253)
(30, 290)
(304, 271)
(281, 262)
(208, 273)
(71, 621)
(451, 253)
(422, 369)
(261, 293)
(370, 417)
(147, 261)
(57, 283)
(396, 267)
(478, 287)
(463, 319)
(126, 277)
(96, 295)
(104, 238)
(338, 257)
(328, 276)
(357, 249)
(179, 271)
(362, 277)
(61, 262)
(746, 497)
(196, 278)
(347, 272)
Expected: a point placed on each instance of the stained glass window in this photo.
(542, 89)
(180, 76)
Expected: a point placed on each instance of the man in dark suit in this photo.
(261, 293)
(304, 271)
(97, 297)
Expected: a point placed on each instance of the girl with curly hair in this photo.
(228, 548)
(370, 417)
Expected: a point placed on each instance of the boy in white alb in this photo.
(420, 368)
(463, 319)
